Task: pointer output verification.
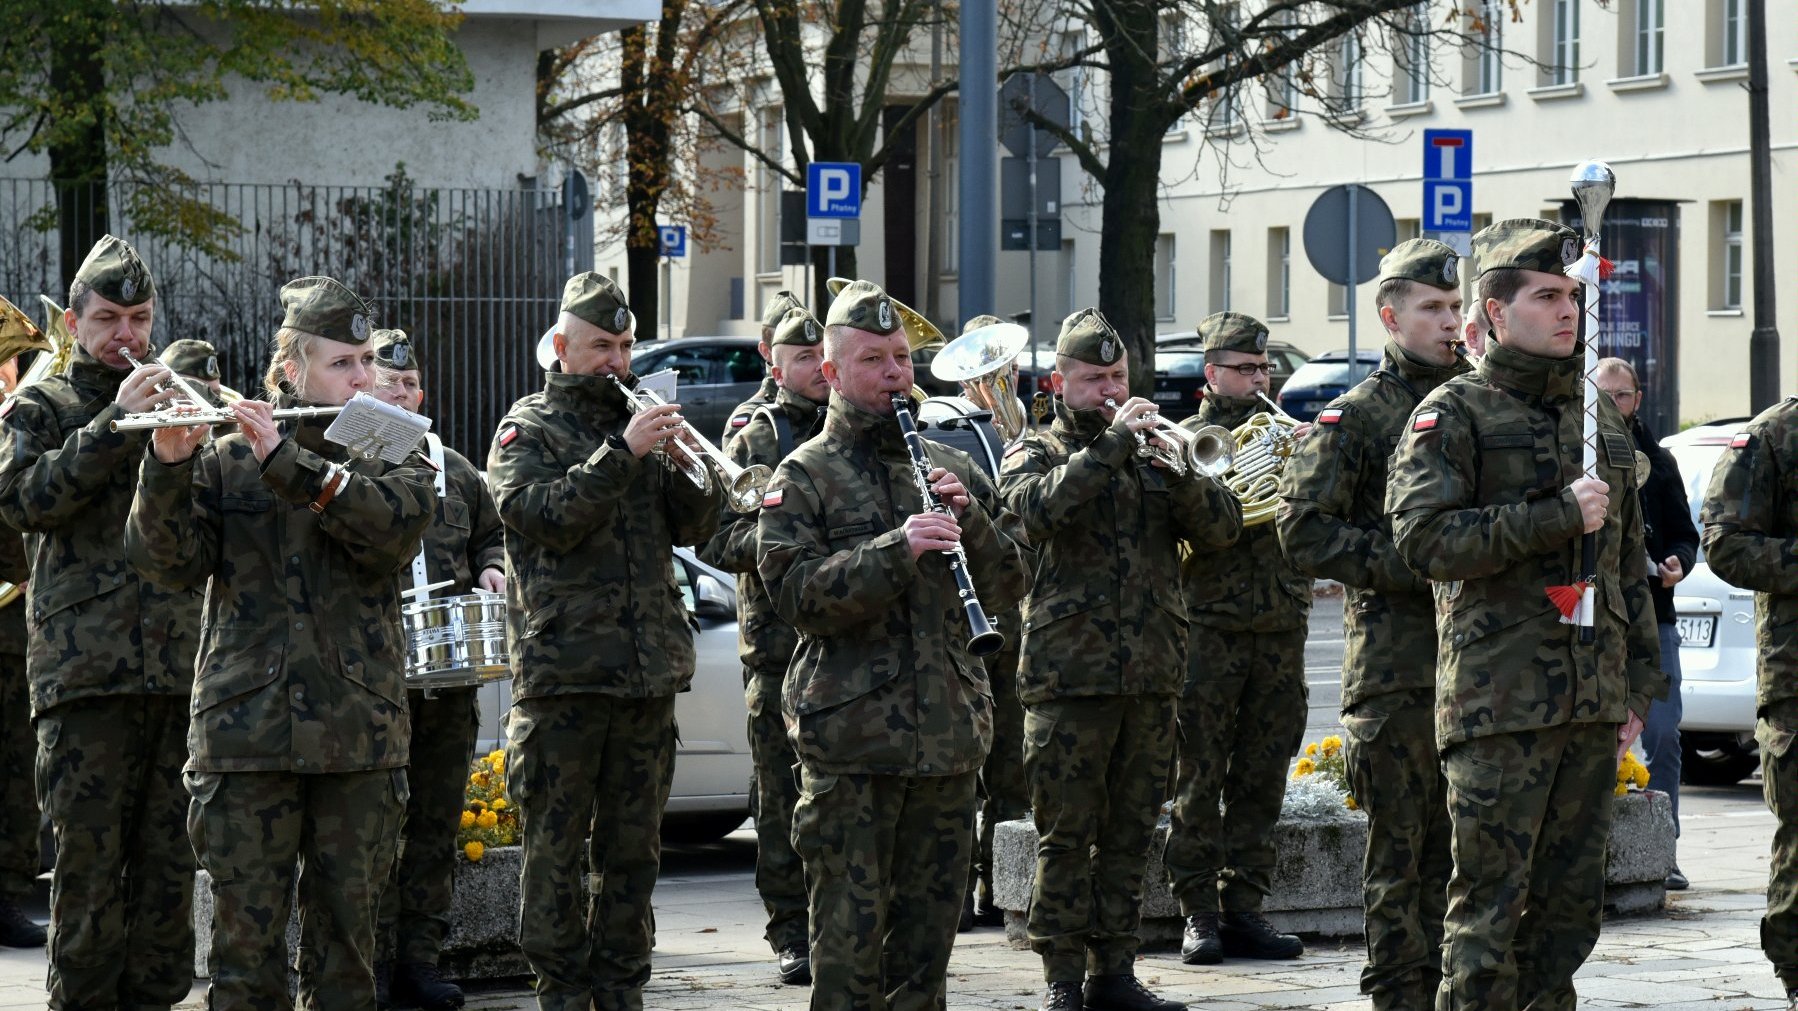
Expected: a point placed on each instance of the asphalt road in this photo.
(1323, 667)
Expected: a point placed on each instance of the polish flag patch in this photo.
(506, 437)
(1016, 448)
(739, 421)
(1332, 416)
(772, 499)
(1739, 442)
(1425, 421)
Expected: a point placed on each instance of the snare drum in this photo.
(456, 641)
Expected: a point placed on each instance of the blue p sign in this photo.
(833, 189)
(673, 239)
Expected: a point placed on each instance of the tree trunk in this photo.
(1130, 215)
(646, 179)
(78, 153)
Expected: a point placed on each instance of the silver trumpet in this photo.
(1206, 452)
(744, 485)
(188, 412)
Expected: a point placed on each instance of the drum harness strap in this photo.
(421, 580)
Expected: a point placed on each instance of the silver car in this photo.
(712, 769)
(1717, 651)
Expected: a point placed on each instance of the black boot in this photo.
(796, 964)
(1062, 996)
(18, 930)
(1249, 935)
(419, 984)
(383, 984)
(1124, 992)
(1199, 944)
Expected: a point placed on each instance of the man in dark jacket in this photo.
(1672, 540)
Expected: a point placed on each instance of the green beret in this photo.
(797, 327)
(192, 357)
(113, 270)
(1425, 261)
(596, 299)
(1087, 336)
(862, 305)
(778, 307)
(1525, 244)
(1233, 331)
(395, 350)
(323, 306)
(980, 321)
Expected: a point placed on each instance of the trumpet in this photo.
(1206, 452)
(743, 485)
(176, 416)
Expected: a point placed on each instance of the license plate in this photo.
(1697, 630)
(1167, 396)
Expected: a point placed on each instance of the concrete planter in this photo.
(1317, 880)
(483, 936)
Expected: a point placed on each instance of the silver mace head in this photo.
(1593, 183)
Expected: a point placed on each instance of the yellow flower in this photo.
(497, 756)
(1305, 768)
(478, 779)
(1641, 777)
(468, 819)
(1332, 744)
(1311, 749)
(474, 850)
(1621, 789)
(477, 806)
(487, 819)
(499, 804)
(1352, 804)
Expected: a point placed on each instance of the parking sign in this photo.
(1448, 180)
(833, 189)
(673, 239)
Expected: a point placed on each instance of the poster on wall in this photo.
(1639, 310)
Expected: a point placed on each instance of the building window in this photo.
(1220, 270)
(951, 140)
(1650, 20)
(1348, 80)
(1414, 57)
(1164, 277)
(1279, 272)
(1173, 47)
(1727, 252)
(1481, 69)
(1338, 301)
(768, 184)
(1727, 42)
(1408, 229)
(1563, 54)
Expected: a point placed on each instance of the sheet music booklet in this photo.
(371, 428)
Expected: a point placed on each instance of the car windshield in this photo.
(1696, 461)
(1331, 373)
(1178, 362)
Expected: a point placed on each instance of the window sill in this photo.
(1174, 137)
(1348, 117)
(1228, 131)
(1489, 100)
(1280, 319)
(1724, 313)
(1554, 92)
(1291, 122)
(770, 275)
(1406, 109)
(1643, 82)
(1714, 75)
(1337, 317)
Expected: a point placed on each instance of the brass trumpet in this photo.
(1206, 452)
(743, 485)
(186, 417)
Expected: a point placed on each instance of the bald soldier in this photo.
(1103, 660)
(1488, 500)
(889, 713)
(1333, 525)
(110, 656)
(765, 640)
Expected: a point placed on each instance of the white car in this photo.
(1716, 623)
(712, 768)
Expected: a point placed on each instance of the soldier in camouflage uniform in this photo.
(298, 738)
(1488, 501)
(889, 714)
(779, 307)
(110, 657)
(765, 640)
(1750, 539)
(198, 363)
(1103, 660)
(600, 646)
(1242, 714)
(466, 546)
(1332, 524)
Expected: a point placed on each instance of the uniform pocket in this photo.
(202, 788)
(49, 733)
(1471, 780)
(1364, 722)
(519, 767)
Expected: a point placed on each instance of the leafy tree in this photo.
(101, 88)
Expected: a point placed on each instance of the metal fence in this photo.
(474, 275)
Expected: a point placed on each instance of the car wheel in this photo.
(1714, 763)
(699, 829)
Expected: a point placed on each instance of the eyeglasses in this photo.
(1247, 370)
(1619, 396)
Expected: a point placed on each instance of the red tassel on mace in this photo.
(1566, 598)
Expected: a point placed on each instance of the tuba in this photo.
(54, 347)
(920, 333)
(1263, 443)
(980, 360)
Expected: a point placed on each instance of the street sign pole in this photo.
(1033, 360)
(1354, 362)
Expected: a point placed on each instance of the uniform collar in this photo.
(595, 396)
(1549, 378)
(800, 411)
(849, 423)
(308, 433)
(1421, 376)
(1077, 427)
(769, 390)
(1231, 411)
(87, 371)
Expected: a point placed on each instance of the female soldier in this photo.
(298, 736)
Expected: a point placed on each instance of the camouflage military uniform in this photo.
(1242, 714)
(1749, 541)
(1100, 672)
(600, 646)
(298, 739)
(765, 642)
(110, 657)
(889, 715)
(19, 845)
(464, 539)
(1526, 715)
(1332, 524)
(765, 394)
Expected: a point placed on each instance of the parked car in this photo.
(1284, 357)
(1716, 623)
(712, 767)
(716, 374)
(1323, 379)
(1179, 380)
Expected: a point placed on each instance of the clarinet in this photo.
(984, 639)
